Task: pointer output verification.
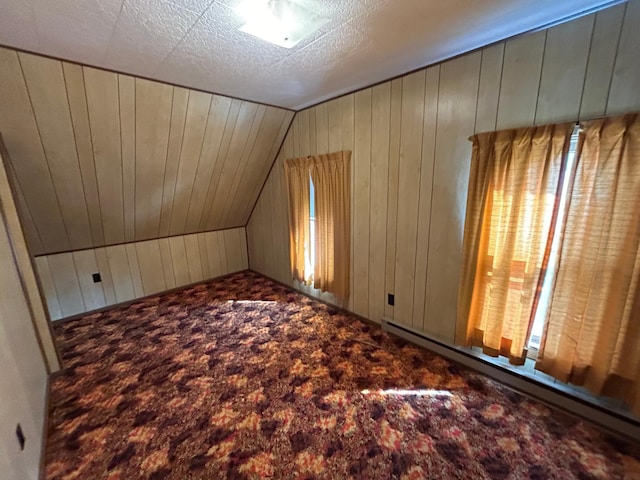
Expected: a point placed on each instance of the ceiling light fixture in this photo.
(281, 22)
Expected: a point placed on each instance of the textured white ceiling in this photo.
(197, 43)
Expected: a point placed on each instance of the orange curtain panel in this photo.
(592, 331)
(297, 176)
(514, 184)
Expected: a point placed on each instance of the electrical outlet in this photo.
(20, 436)
(391, 300)
(96, 278)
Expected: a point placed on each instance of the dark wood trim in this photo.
(119, 72)
(139, 299)
(135, 241)
(275, 159)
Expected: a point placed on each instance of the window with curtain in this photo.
(552, 240)
(318, 188)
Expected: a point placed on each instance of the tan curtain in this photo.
(331, 175)
(592, 332)
(297, 175)
(513, 186)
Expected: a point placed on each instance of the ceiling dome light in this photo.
(281, 22)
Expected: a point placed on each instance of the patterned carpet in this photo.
(243, 378)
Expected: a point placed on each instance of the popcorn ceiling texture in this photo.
(197, 43)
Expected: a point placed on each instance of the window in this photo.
(319, 221)
(537, 328)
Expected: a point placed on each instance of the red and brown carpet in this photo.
(243, 378)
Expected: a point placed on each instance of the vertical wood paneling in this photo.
(153, 117)
(120, 273)
(456, 117)
(521, 69)
(623, 96)
(48, 288)
(602, 55)
(379, 168)
(104, 158)
(429, 130)
(46, 85)
(174, 149)
(362, 171)
(65, 281)
(104, 118)
(195, 126)
(86, 265)
(77, 97)
(418, 162)
(563, 71)
(22, 140)
(151, 267)
(209, 165)
(127, 97)
(411, 129)
(134, 270)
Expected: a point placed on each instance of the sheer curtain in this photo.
(512, 203)
(331, 175)
(297, 176)
(592, 331)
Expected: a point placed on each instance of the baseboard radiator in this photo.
(510, 377)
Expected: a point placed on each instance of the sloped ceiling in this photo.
(196, 43)
(101, 158)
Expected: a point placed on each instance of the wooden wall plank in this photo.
(195, 126)
(104, 119)
(429, 130)
(151, 266)
(392, 192)
(22, 140)
(232, 160)
(209, 165)
(134, 268)
(456, 117)
(180, 262)
(216, 267)
(602, 56)
(127, 98)
(194, 262)
(489, 89)
(46, 85)
(520, 80)
(167, 263)
(240, 173)
(379, 168)
(174, 148)
(65, 280)
(153, 119)
(107, 279)
(623, 96)
(411, 126)
(563, 71)
(48, 288)
(120, 273)
(77, 97)
(86, 265)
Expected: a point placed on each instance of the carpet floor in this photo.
(242, 378)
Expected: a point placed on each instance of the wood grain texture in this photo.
(138, 269)
(410, 166)
(102, 158)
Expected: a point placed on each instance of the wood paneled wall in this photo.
(102, 158)
(411, 155)
(135, 270)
